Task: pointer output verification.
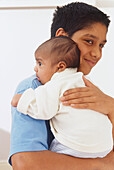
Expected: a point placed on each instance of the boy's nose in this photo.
(96, 53)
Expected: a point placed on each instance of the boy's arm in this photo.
(27, 134)
(47, 160)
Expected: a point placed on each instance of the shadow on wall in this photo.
(4, 145)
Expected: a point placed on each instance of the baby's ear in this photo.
(61, 66)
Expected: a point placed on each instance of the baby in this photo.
(78, 132)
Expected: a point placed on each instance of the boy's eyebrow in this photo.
(92, 36)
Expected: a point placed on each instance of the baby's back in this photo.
(81, 129)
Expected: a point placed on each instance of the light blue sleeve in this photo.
(27, 134)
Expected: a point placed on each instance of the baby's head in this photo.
(55, 55)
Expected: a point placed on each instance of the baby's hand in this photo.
(15, 100)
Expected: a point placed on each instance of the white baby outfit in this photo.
(80, 132)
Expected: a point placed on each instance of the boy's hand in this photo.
(89, 97)
(15, 100)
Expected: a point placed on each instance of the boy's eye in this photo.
(89, 41)
(101, 45)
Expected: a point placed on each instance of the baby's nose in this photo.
(35, 69)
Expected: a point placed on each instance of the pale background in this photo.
(24, 25)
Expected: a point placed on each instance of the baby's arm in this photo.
(15, 100)
(41, 103)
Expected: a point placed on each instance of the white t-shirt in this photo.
(83, 130)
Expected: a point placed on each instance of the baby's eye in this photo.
(40, 63)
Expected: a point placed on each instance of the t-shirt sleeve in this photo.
(27, 134)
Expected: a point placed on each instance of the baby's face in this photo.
(44, 69)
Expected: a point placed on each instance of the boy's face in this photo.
(44, 69)
(90, 41)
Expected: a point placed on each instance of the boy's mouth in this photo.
(91, 63)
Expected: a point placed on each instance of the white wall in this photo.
(34, 3)
(21, 31)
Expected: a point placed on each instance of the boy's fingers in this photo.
(87, 82)
(76, 90)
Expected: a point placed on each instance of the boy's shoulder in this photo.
(30, 82)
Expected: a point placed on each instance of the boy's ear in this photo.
(61, 32)
(61, 66)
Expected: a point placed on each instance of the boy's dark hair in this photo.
(76, 16)
(61, 48)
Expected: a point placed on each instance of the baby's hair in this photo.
(62, 48)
